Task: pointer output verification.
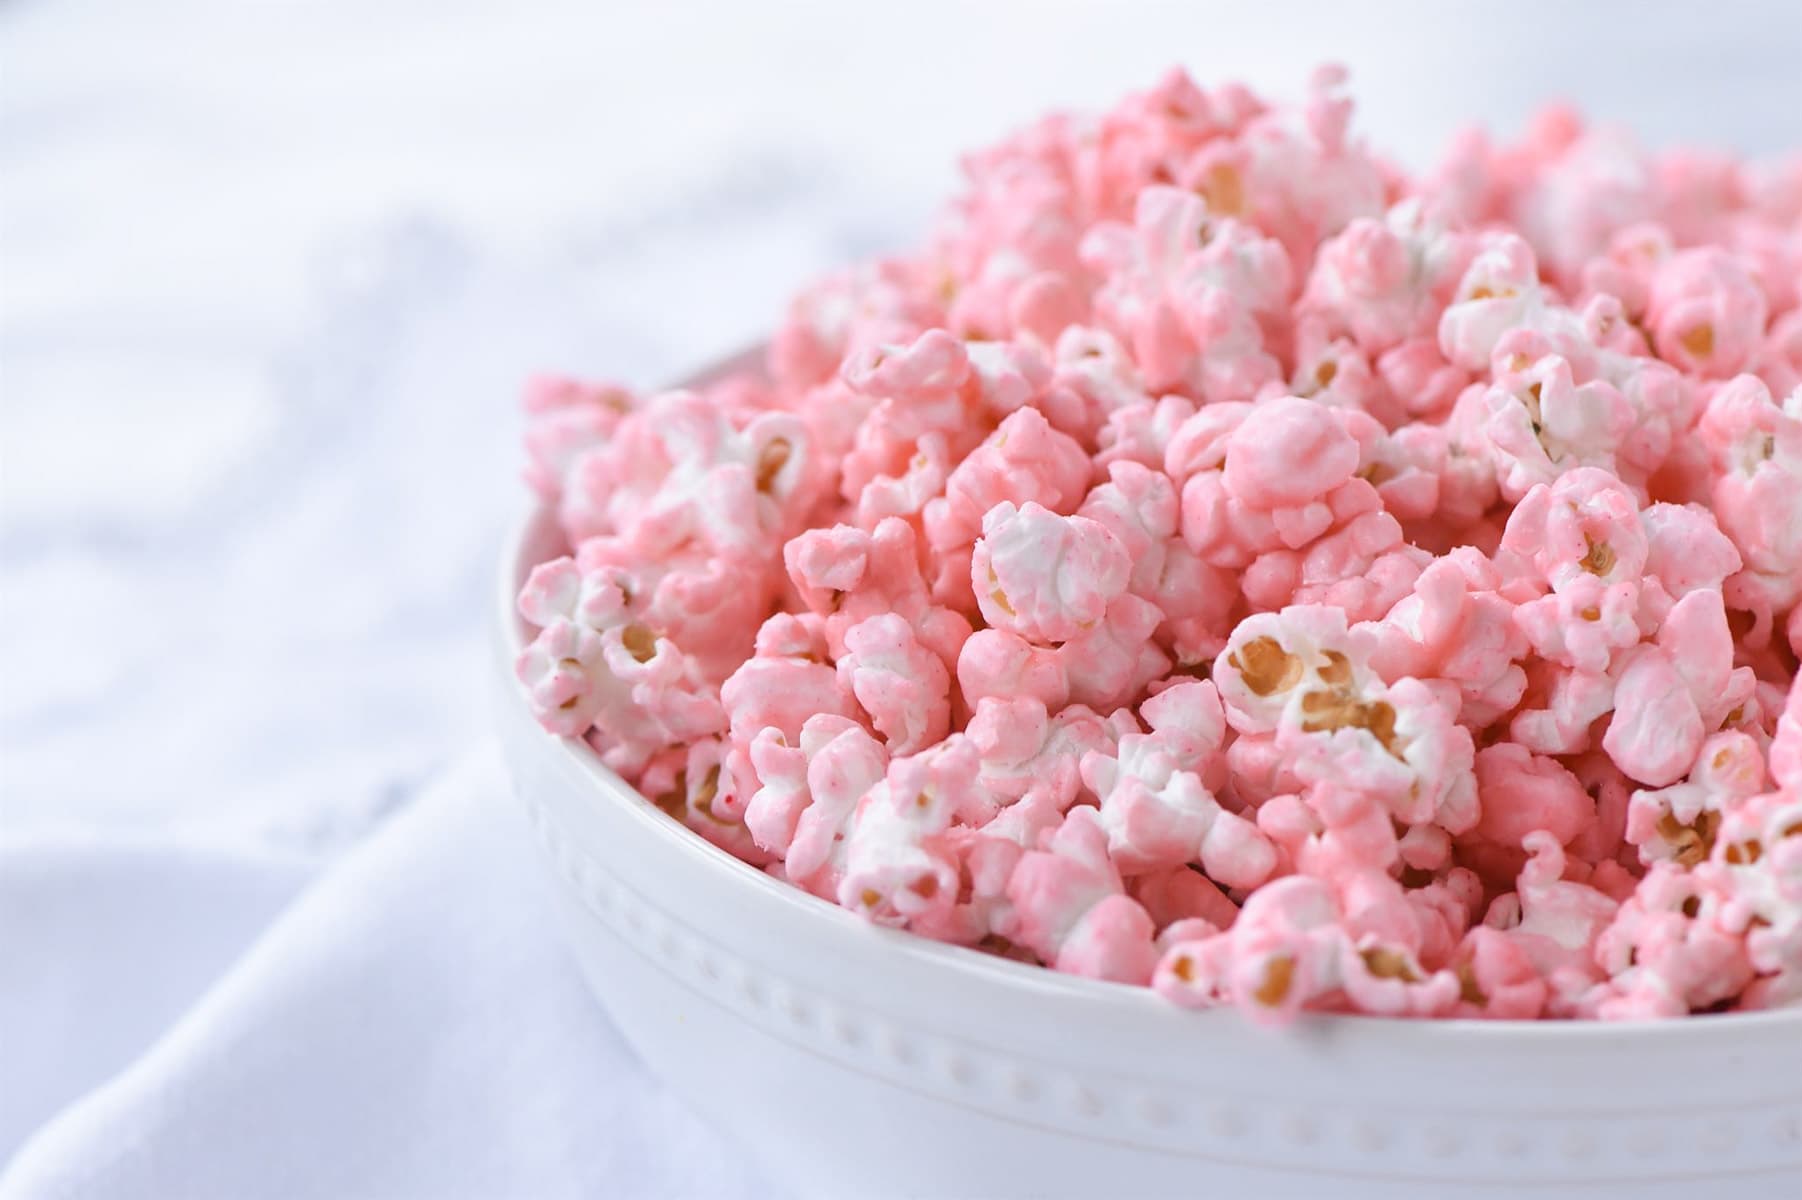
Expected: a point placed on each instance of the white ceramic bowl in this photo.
(861, 1062)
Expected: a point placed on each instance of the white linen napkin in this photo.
(410, 1026)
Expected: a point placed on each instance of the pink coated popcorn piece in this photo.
(1786, 743)
(1496, 979)
(902, 684)
(1657, 729)
(1113, 662)
(1184, 904)
(900, 868)
(1500, 291)
(1666, 953)
(1522, 793)
(1544, 424)
(689, 784)
(1455, 626)
(782, 686)
(1592, 186)
(1138, 506)
(1757, 449)
(1273, 659)
(1045, 577)
(1154, 806)
(1025, 459)
(1072, 910)
(1288, 452)
(1779, 359)
(1679, 823)
(847, 576)
(839, 773)
(1142, 433)
(679, 468)
(809, 791)
(1706, 313)
(934, 364)
(1031, 761)
(1222, 559)
(1384, 282)
(564, 418)
(996, 663)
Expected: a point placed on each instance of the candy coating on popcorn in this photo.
(1222, 561)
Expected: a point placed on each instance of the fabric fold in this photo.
(409, 1027)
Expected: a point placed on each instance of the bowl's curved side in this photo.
(855, 1054)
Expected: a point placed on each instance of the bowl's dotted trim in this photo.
(1336, 1140)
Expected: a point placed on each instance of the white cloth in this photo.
(410, 1026)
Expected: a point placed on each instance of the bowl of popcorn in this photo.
(1233, 669)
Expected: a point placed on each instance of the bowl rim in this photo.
(510, 628)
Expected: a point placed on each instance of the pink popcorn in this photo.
(1543, 425)
(1669, 695)
(1496, 979)
(848, 576)
(1584, 625)
(1273, 660)
(1142, 433)
(1337, 374)
(1138, 506)
(1224, 560)
(1184, 904)
(996, 663)
(1288, 951)
(590, 665)
(1554, 920)
(689, 784)
(564, 418)
(1455, 626)
(1384, 282)
(1757, 451)
(827, 321)
(848, 766)
(1500, 291)
(1705, 312)
(1363, 567)
(1281, 954)
(1025, 459)
(1287, 453)
(1665, 951)
(1418, 375)
(1522, 793)
(900, 867)
(1593, 185)
(1072, 910)
(1625, 271)
(1031, 761)
(1186, 290)
(679, 468)
(1678, 823)
(1045, 577)
(783, 684)
(1585, 524)
(809, 790)
(1154, 805)
(1114, 661)
(1779, 359)
(557, 670)
(901, 684)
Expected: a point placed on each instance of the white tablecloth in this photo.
(269, 277)
(408, 1025)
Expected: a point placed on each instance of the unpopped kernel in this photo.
(1223, 562)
